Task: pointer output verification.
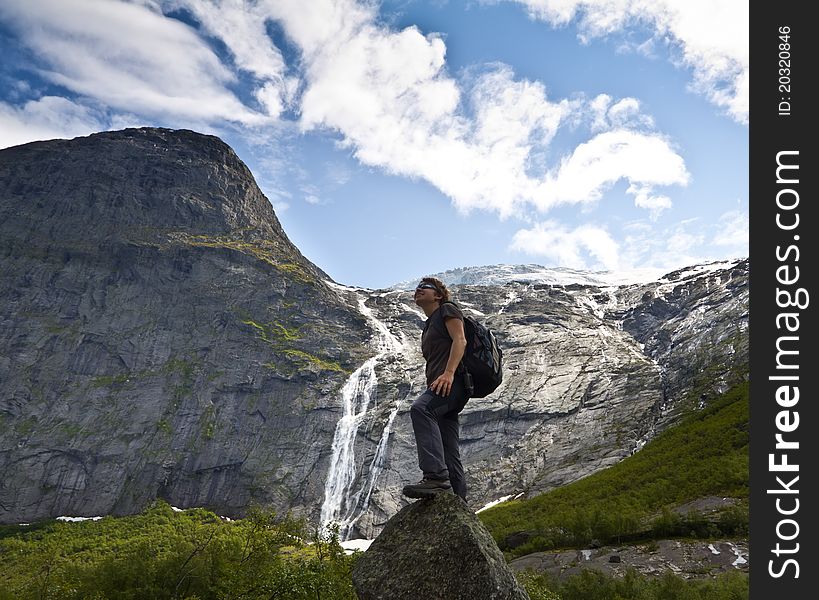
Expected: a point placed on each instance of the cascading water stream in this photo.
(360, 501)
(341, 505)
(356, 395)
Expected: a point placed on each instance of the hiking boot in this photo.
(426, 488)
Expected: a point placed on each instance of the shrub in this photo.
(707, 454)
(164, 554)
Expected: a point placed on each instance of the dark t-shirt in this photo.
(435, 344)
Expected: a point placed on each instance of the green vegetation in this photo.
(208, 422)
(265, 251)
(259, 329)
(26, 426)
(165, 554)
(706, 455)
(70, 430)
(186, 370)
(274, 331)
(633, 586)
(109, 380)
(278, 335)
(198, 555)
(179, 365)
(306, 357)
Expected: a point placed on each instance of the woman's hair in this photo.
(438, 284)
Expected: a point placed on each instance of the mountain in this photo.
(161, 337)
(591, 374)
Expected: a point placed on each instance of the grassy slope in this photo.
(706, 454)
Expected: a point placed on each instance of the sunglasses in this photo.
(427, 286)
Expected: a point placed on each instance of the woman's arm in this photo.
(443, 384)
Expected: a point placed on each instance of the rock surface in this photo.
(435, 548)
(160, 336)
(687, 559)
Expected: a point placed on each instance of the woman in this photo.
(434, 413)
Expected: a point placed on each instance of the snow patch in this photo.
(592, 305)
(341, 287)
(77, 519)
(351, 546)
(538, 274)
(639, 446)
(738, 553)
(496, 502)
(703, 269)
(511, 297)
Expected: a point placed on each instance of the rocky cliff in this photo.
(591, 374)
(160, 336)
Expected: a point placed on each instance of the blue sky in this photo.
(403, 138)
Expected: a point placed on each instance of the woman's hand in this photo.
(443, 383)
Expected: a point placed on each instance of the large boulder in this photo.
(435, 548)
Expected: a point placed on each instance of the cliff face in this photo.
(159, 334)
(161, 337)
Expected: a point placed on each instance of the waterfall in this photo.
(341, 504)
(355, 396)
(360, 501)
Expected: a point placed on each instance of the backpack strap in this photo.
(437, 319)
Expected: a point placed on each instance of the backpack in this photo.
(483, 358)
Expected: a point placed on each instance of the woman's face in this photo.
(426, 293)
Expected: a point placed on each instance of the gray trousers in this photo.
(437, 432)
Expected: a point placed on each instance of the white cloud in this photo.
(733, 230)
(389, 96)
(569, 248)
(511, 113)
(625, 113)
(626, 110)
(683, 243)
(242, 27)
(645, 161)
(129, 56)
(49, 117)
(680, 244)
(482, 141)
(644, 199)
(712, 36)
